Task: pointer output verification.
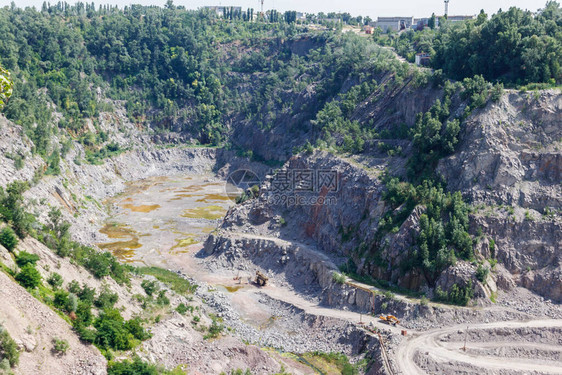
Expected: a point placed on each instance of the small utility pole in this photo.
(446, 8)
(465, 334)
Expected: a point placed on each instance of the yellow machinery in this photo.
(261, 279)
(390, 319)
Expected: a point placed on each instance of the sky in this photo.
(372, 8)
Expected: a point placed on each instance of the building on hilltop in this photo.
(220, 10)
(454, 19)
(395, 23)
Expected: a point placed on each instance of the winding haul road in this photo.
(428, 342)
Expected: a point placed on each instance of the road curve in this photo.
(445, 352)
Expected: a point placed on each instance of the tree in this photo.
(55, 280)
(8, 238)
(432, 21)
(5, 87)
(29, 277)
(8, 348)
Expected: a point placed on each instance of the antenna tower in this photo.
(446, 7)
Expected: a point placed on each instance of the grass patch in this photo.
(172, 279)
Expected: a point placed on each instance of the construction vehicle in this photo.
(261, 279)
(389, 319)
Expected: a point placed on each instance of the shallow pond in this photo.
(159, 217)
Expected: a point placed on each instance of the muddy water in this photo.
(158, 219)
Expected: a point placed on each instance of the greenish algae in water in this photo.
(209, 212)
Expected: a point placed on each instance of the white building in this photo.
(454, 19)
(395, 23)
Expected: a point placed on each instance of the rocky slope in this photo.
(507, 165)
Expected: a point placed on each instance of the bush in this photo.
(8, 238)
(134, 326)
(182, 308)
(60, 346)
(458, 295)
(482, 273)
(214, 330)
(492, 246)
(162, 300)
(29, 277)
(8, 348)
(111, 332)
(87, 295)
(149, 287)
(61, 299)
(55, 280)
(106, 299)
(137, 367)
(72, 303)
(339, 278)
(23, 258)
(74, 287)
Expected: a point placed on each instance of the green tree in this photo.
(432, 21)
(8, 238)
(8, 348)
(55, 280)
(29, 277)
(6, 85)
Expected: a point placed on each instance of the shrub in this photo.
(214, 330)
(8, 348)
(106, 299)
(29, 277)
(8, 238)
(137, 367)
(458, 295)
(162, 300)
(55, 280)
(111, 332)
(182, 308)
(87, 295)
(23, 258)
(339, 278)
(61, 299)
(482, 273)
(134, 326)
(60, 346)
(74, 287)
(149, 287)
(72, 303)
(492, 246)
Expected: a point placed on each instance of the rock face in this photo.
(510, 160)
(508, 165)
(511, 153)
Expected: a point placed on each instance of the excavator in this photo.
(261, 279)
(389, 319)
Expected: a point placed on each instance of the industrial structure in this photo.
(395, 23)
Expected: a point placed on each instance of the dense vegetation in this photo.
(513, 46)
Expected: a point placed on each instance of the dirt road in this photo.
(429, 343)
